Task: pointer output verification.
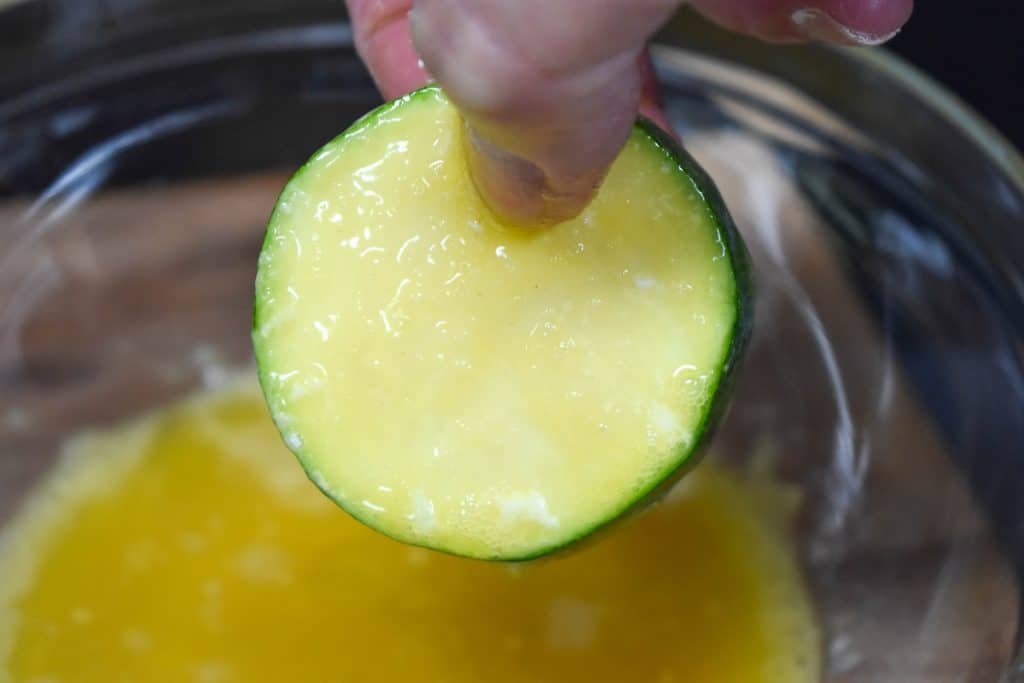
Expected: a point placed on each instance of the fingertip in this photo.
(835, 23)
(518, 191)
(383, 40)
(845, 22)
(873, 18)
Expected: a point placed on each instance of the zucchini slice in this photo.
(484, 390)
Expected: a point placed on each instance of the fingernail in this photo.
(818, 25)
(514, 189)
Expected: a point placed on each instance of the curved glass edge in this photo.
(943, 100)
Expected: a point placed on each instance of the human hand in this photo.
(550, 88)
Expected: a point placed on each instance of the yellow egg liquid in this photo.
(189, 546)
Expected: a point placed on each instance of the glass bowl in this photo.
(143, 143)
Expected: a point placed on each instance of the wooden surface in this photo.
(140, 296)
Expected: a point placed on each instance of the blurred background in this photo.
(972, 46)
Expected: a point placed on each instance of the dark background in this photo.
(975, 48)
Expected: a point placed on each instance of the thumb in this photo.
(549, 91)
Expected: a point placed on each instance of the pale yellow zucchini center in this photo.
(466, 385)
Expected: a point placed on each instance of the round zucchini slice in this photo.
(480, 389)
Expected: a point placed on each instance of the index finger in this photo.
(383, 40)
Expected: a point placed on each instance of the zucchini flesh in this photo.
(480, 389)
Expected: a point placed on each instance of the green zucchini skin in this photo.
(720, 395)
